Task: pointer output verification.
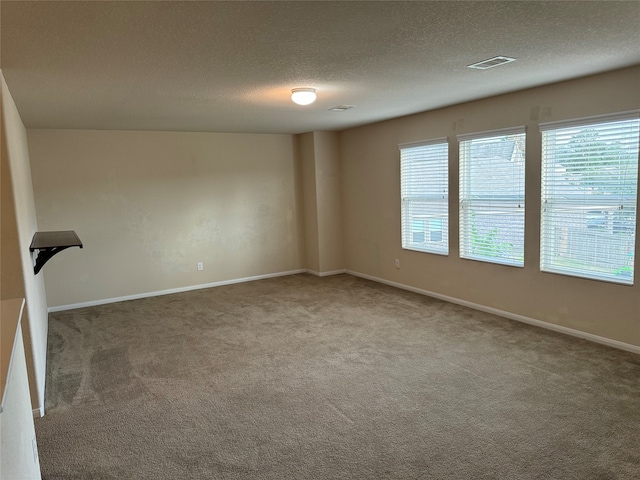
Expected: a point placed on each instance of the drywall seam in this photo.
(169, 291)
(512, 316)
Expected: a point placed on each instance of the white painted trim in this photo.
(424, 143)
(9, 308)
(326, 274)
(332, 272)
(579, 122)
(512, 316)
(137, 296)
(465, 137)
(38, 412)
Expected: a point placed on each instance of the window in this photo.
(424, 184)
(492, 170)
(589, 192)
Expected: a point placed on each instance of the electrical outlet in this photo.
(397, 263)
(200, 266)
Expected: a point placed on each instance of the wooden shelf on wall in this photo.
(50, 243)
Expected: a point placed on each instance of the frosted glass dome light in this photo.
(303, 96)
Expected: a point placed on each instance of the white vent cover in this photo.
(341, 108)
(491, 62)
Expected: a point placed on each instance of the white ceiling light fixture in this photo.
(303, 96)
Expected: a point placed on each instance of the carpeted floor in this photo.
(329, 378)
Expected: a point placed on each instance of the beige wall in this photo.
(329, 201)
(322, 197)
(310, 203)
(11, 278)
(149, 205)
(371, 199)
(35, 328)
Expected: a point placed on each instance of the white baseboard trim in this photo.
(38, 412)
(169, 291)
(512, 316)
(326, 274)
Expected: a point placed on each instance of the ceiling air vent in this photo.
(341, 108)
(491, 62)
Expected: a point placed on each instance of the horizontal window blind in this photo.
(424, 177)
(492, 203)
(589, 198)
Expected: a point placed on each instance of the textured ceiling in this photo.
(229, 66)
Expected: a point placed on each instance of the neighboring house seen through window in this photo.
(424, 180)
(492, 182)
(589, 197)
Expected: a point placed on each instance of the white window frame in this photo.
(581, 233)
(424, 190)
(480, 198)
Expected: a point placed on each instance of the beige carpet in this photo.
(329, 378)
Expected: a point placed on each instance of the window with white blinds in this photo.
(589, 197)
(492, 182)
(424, 179)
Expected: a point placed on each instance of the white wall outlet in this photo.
(397, 263)
(200, 266)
